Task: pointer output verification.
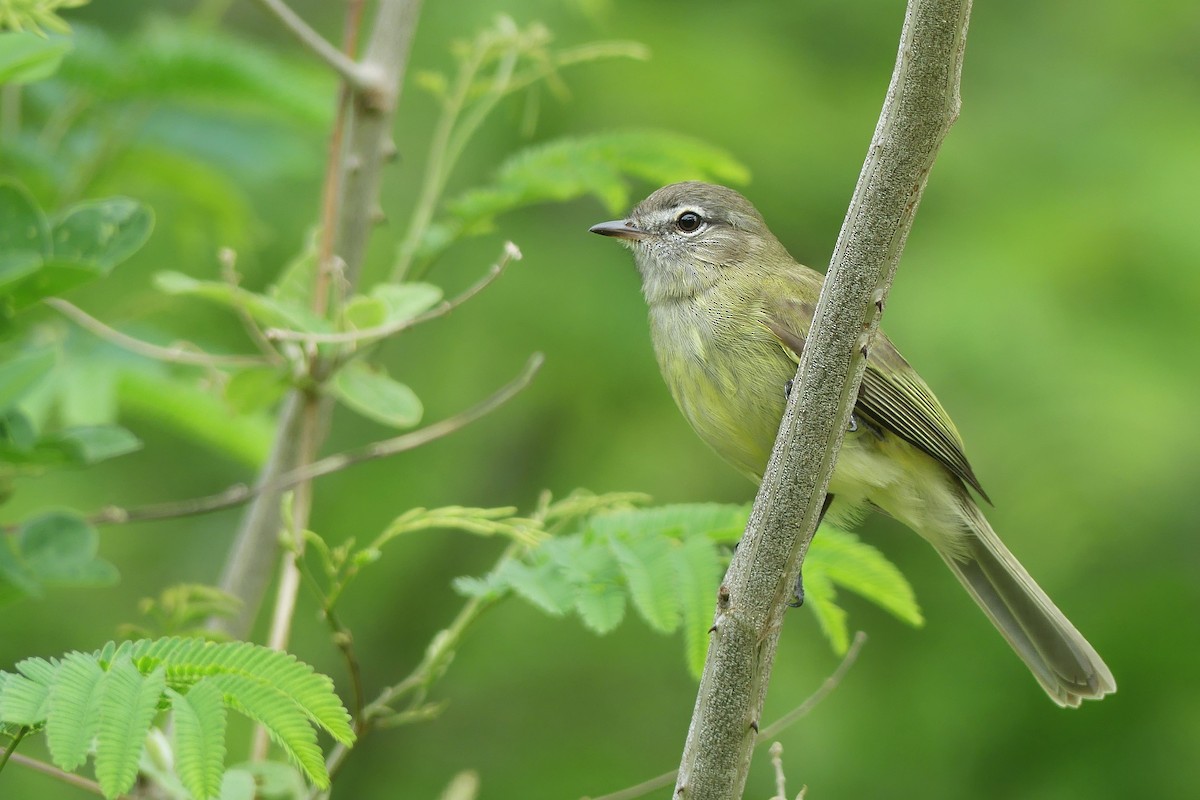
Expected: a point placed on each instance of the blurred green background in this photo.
(1048, 293)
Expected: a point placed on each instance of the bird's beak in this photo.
(620, 228)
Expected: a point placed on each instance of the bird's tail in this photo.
(1066, 666)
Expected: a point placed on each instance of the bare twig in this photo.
(511, 253)
(921, 104)
(240, 493)
(176, 355)
(774, 729)
(54, 772)
(346, 67)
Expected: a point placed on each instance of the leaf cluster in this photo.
(667, 562)
(103, 704)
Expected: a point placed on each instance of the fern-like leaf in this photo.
(821, 597)
(128, 703)
(698, 573)
(648, 566)
(200, 738)
(283, 718)
(73, 709)
(859, 567)
(26, 696)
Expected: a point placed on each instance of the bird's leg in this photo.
(799, 590)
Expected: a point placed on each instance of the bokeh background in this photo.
(1049, 294)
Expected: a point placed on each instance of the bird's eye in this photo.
(688, 221)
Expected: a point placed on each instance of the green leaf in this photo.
(60, 547)
(718, 521)
(599, 165)
(55, 277)
(542, 585)
(391, 304)
(199, 718)
(23, 227)
(696, 566)
(16, 579)
(376, 396)
(73, 710)
(17, 265)
(265, 310)
(238, 784)
(363, 312)
(20, 375)
(279, 714)
(188, 408)
(101, 232)
(128, 705)
(94, 443)
(862, 569)
(26, 57)
(254, 389)
(647, 563)
(273, 780)
(26, 697)
(404, 301)
(821, 598)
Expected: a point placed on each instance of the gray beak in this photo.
(620, 228)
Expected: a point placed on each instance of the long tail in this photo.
(1066, 666)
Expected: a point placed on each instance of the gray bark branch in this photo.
(374, 95)
(922, 103)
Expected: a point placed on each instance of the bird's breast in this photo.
(726, 372)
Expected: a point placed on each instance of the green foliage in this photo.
(373, 393)
(83, 242)
(36, 15)
(601, 165)
(667, 562)
(114, 695)
(51, 549)
(184, 609)
(28, 57)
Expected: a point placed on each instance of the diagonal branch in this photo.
(176, 354)
(511, 253)
(240, 493)
(345, 66)
(922, 103)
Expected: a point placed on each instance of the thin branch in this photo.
(511, 253)
(774, 729)
(175, 355)
(368, 108)
(58, 774)
(346, 67)
(921, 104)
(240, 493)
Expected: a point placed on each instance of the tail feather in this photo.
(1066, 666)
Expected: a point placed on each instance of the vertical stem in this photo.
(921, 104)
(350, 198)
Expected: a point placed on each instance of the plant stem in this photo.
(922, 103)
(351, 192)
(58, 774)
(774, 729)
(345, 66)
(176, 354)
(12, 746)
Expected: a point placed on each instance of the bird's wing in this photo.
(892, 395)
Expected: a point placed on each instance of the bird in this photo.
(729, 310)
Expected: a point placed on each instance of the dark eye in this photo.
(688, 221)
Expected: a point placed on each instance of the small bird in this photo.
(729, 312)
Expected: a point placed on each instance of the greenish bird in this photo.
(729, 312)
